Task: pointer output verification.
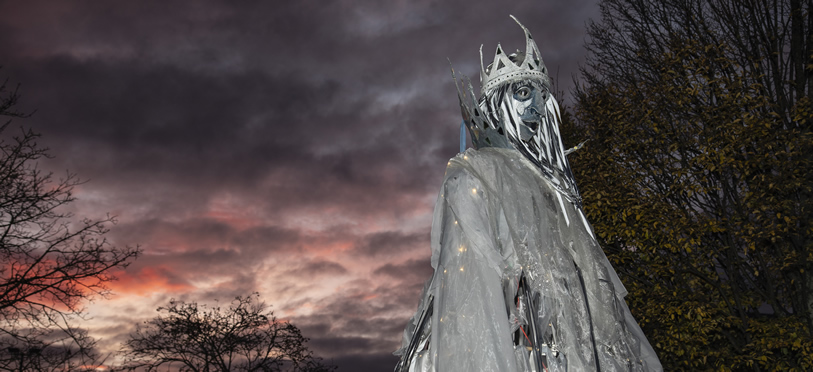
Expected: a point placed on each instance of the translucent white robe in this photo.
(496, 217)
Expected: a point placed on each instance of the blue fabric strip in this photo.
(462, 135)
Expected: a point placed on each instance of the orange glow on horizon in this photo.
(147, 281)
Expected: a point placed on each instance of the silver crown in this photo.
(504, 70)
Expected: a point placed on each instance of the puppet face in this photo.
(524, 109)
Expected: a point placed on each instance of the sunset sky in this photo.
(290, 148)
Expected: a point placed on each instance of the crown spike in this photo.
(498, 63)
(531, 51)
(528, 38)
(482, 69)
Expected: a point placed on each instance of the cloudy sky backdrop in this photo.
(292, 148)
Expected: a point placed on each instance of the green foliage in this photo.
(698, 179)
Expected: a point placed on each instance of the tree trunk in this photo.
(807, 287)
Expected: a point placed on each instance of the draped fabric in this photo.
(498, 223)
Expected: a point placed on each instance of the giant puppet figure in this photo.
(520, 282)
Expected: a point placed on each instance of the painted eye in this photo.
(523, 93)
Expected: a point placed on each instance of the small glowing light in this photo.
(465, 157)
(461, 268)
(474, 191)
(455, 222)
(444, 271)
(462, 248)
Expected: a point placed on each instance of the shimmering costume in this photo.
(520, 282)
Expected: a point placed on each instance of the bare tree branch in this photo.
(50, 263)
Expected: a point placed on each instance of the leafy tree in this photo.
(244, 337)
(49, 264)
(698, 174)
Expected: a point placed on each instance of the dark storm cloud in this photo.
(346, 345)
(375, 362)
(364, 318)
(152, 121)
(137, 126)
(178, 250)
(390, 243)
(212, 127)
(206, 236)
(307, 79)
(319, 267)
(411, 270)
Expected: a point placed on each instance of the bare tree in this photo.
(244, 337)
(49, 263)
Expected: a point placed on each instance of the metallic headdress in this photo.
(503, 69)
